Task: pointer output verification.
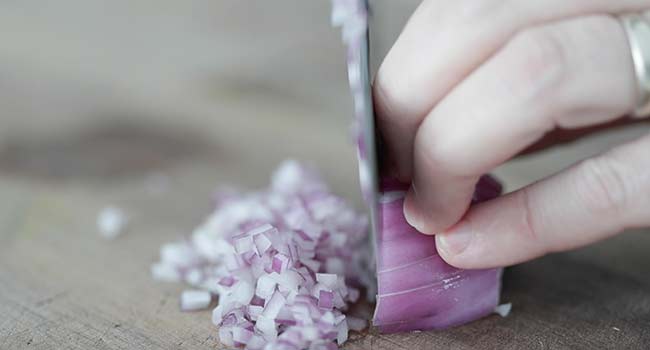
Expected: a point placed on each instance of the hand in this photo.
(470, 84)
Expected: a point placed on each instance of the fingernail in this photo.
(456, 240)
(412, 212)
(412, 216)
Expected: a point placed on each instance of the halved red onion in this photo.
(417, 289)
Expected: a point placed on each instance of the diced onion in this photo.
(285, 262)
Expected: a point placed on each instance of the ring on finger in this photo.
(637, 29)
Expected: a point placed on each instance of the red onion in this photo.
(417, 289)
(285, 262)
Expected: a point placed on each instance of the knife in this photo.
(368, 150)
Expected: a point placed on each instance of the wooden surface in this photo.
(150, 106)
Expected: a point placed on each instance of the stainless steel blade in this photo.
(369, 136)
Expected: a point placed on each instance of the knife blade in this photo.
(368, 150)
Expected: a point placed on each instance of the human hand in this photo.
(472, 83)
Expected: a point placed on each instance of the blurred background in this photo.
(149, 106)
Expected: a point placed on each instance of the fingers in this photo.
(443, 43)
(569, 74)
(566, 136)
(589, 202)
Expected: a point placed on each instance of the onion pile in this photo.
(286, 263)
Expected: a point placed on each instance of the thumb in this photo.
(593, 200)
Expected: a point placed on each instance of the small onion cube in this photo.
(256, 342)
(288, 280)
(243, 292)
(217, 315)
(262, 243)
(335, 266)
(503, 310)
(192, 300)
(267, 327)
(311, 264)
(338, 318)
(244, 244)
(280, 263)
(302, 313)
(265, 287)
(328, 318)
(342, 334)
(177, 254)
(329, 280)
(274, 305)
(165, 272)
(254, 311)
(326, 299)
(226, 336)
(310, 333)
(232, 262)
(194, 277)
(111, 222)
(241, 335)
(285, 317)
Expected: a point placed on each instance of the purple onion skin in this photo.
(417, 289)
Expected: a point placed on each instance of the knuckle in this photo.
(601, 185)
(392, 99)
(440, 149)
(537, 61)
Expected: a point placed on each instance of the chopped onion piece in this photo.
(267, 327)
(326, 299)
(241, 335)
(217, 315)
(192, 300)
(165, 272)
(280, 263)
(262, 243)
(504, 309)
(330, 280)
(342, 335)
(265, 287)
(111, 222)
(273, 306)
(244, 244)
